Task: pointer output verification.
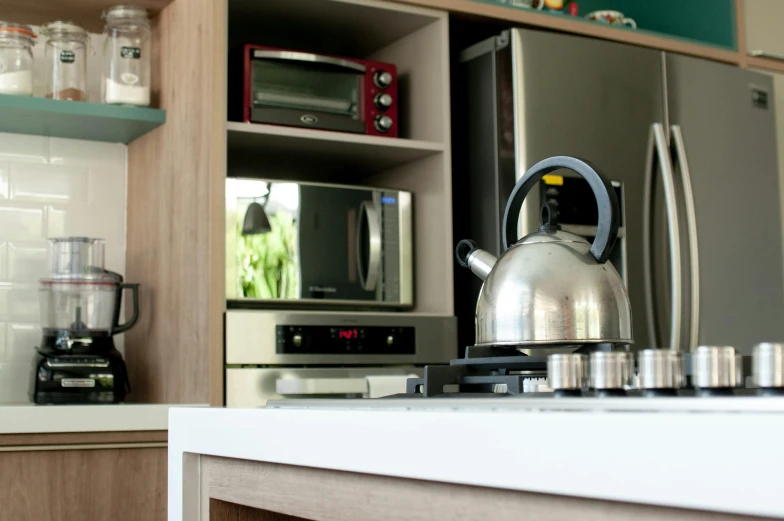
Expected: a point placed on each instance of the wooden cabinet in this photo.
(117, 484)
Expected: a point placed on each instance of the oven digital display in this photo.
(339, 340)
(348, 334)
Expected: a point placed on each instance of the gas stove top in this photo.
(493, 377)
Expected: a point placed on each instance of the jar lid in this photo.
(124, 12)
(65, 29)
(12, 28)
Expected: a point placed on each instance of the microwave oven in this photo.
(317, 245)
(286, 87)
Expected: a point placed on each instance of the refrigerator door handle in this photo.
(658, 153)
(691, 225)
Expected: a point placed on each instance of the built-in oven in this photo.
(296, 354)
(317, 245)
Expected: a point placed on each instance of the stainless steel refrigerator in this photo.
(693, 143)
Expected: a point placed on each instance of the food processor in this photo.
(80, 304)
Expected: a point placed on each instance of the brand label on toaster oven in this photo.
(133, 53)
(77, 382)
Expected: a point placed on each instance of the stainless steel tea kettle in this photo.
(551, 288)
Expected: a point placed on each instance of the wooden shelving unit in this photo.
(295, 150)
(84, 12)
(76, 119)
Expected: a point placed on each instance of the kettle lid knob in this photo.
(606, 201)
(549, 216)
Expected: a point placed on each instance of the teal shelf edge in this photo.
(76, 119)
(670, 36)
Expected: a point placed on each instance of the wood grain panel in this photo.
(740, 31)
(223, 511)
(85, 12)
(116, 484)
(328, 495)
(567, 24)
(176, 206)
(82, 438)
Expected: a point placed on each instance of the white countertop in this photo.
(29, 418)
(712, 460)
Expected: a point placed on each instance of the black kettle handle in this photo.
(606, 200)
(120, 328)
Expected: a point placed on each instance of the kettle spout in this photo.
(479, 261)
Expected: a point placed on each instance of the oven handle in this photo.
(369, 280)
(308, 57)
(285, 386)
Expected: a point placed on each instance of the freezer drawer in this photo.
(252, 387)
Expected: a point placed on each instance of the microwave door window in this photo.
(328, 224)
(267, 254)
(306, 94)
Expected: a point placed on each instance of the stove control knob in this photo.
(768, 368)
(297, 340)
(382, 101)
(383, 123)
(610, 372)
(716, 370)
(566, 373)
(382, 79)
(661, 372)
(390, 340)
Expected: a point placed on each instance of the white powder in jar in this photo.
(19, 83)
(119, 94)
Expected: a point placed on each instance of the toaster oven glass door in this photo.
(307, 90)
(323, 243)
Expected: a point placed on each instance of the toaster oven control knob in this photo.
(297, 339)
(382, 79)
(382, 101)
(383, 123)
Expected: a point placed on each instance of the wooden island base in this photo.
(224, 489)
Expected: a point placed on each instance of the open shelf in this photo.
(354, 28)
(76, 119)
(86, 13)
(559, 22)
(289, 151)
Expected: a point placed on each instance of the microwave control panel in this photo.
(343, 340)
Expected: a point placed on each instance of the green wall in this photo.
(707, 21)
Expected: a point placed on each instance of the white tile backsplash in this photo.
(21, 223)
(48, 183)
(23, 148)
(49, 188)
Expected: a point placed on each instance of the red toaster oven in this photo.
(285, 87)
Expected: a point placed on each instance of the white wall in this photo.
(51, 187)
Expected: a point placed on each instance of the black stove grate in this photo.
(479, 372)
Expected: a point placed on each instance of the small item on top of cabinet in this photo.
(611, 18)
(66, 60)
(126, 56)
(16, 59)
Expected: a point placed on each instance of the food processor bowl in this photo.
(84, 308)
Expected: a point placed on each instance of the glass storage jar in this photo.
(66, 60)
(16, 59)
(126, 56)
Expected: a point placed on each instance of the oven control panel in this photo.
(343, 340)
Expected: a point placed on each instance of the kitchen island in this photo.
(461, 459)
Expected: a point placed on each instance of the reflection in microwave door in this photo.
(309, 119)
(322, 289)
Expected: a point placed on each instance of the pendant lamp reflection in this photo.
(256, 221)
